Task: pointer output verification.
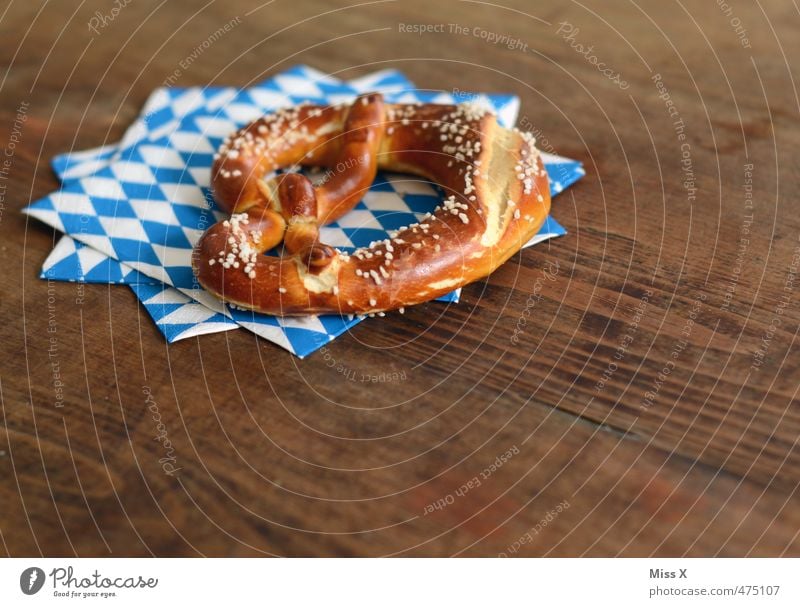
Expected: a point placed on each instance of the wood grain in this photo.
(277, 456)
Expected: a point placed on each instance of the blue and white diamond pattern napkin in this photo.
(146, 202)
(176, 315)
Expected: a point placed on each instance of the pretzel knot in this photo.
(496, 189)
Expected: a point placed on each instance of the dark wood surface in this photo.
(287, 457)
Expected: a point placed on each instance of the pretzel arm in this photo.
(299, 204)
(302, 134)
(239, 242)
(357, 161)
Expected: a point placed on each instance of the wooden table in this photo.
(629, 389)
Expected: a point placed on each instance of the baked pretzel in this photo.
(496, 188)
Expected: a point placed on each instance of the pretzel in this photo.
(496, 189)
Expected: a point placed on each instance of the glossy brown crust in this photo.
(499, 198)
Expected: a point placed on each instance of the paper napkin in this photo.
(176, 315)
(146, 203)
